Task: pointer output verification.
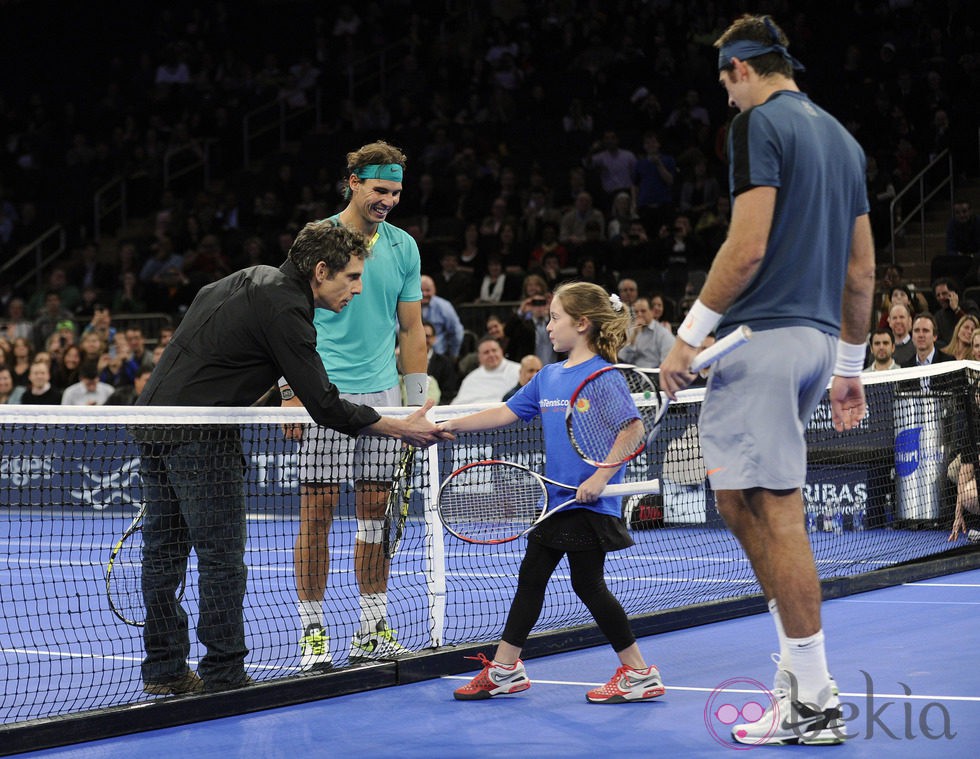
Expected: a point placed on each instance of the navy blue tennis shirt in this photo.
(792, 144)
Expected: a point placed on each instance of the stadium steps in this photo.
(908, 251)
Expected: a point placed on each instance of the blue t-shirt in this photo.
(357, 345)
(547, 394)
(652, 190)
(818, 169)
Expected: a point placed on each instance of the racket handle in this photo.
(724, 346)
(642, 487)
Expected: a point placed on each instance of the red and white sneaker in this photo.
(629, 684)
(494, 680)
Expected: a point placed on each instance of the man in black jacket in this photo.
(924, 336)
(239, 335)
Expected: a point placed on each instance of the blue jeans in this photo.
(195, 497)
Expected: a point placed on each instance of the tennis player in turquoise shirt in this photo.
(591, 326)
(358, 352)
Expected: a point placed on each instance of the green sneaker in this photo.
(380, 645)
(315, 649)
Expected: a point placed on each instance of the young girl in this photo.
(591, 325)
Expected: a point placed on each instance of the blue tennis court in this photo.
(903, 658)
(69, 489)
(55, 571)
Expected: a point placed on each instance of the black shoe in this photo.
(188, 682)
(221, 687)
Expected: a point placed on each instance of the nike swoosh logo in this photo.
(801, 726)
(813, 721)
(714, 471)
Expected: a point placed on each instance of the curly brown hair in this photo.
(328, 242)
(379, 152)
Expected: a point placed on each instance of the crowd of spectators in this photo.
(545, 142)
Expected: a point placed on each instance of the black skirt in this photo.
(580, 529)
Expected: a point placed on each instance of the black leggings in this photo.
(588, 582)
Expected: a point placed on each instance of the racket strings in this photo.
(611, 415)
(491, 502)
(124, 581)
(397, 506)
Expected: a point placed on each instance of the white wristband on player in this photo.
(416, 385)
(850, 359)
(698, 323)
(283, 382)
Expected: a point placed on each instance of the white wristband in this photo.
(850, 359)
(283, 382)
(416, 385)
(698, 323)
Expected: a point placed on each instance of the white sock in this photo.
(807, 660)
(310, 613)
(374, 608)
(780, 633)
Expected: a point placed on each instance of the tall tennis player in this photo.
(798, 268)
(591, 325)
(357, 347)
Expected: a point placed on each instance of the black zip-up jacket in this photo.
(238, 337)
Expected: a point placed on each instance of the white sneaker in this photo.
(789, 720)
(783, 681)
(380, 645)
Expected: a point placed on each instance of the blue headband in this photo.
(745, 49)
(390, 171)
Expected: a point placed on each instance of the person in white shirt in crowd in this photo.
(88, 391)
(649, 341)
(491, 379)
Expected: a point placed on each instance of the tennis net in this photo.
(70, 485)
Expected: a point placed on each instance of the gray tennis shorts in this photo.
(758, 402)
(327, 456)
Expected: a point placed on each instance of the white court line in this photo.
(110, 657)
(942, 584)
(69, 654)
(752, 691)
(913, 603)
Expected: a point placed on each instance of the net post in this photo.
(435, 550)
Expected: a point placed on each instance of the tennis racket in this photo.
(396, 507)
(491, 502)
(124, 572)
(617, 411)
